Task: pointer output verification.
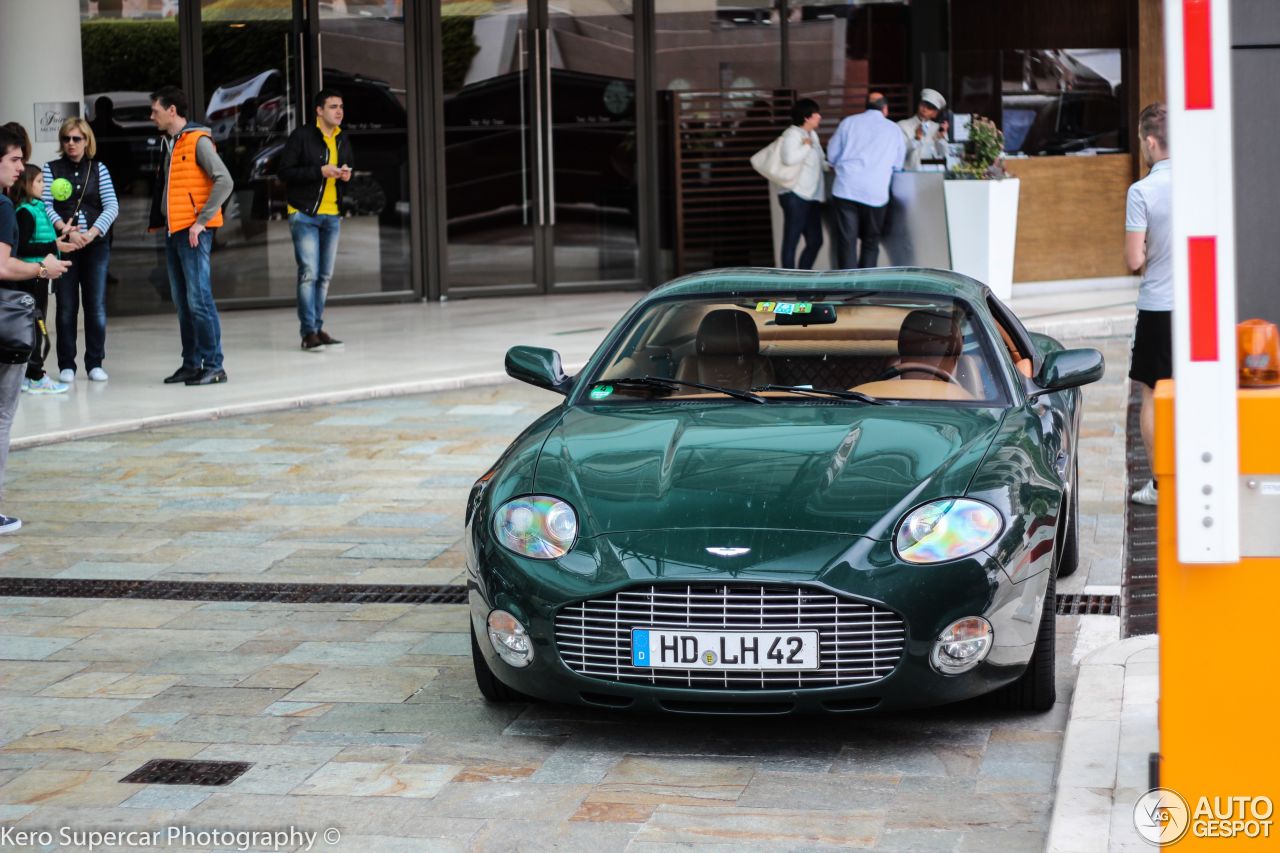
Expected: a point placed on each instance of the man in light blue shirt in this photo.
(865, 151)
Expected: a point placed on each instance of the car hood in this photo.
(836, 468)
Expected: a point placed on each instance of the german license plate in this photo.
(661, 648)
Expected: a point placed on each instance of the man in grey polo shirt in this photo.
(1148, 240)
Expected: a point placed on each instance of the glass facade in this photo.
(524, 146)
(128, 53)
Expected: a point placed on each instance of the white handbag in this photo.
(768, 162)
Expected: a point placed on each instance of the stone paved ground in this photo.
(365, 717)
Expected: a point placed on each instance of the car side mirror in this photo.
(538, 366)
(1069, 368)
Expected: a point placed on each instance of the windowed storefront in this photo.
(532, 146)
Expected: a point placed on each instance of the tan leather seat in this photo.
(929, 337)
(727, 352)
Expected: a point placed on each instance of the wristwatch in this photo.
(44, 272)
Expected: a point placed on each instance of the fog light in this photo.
(962, 646)
(510, 639)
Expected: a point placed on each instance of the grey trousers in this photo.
(11, 376)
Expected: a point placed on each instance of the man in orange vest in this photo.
(192, 184)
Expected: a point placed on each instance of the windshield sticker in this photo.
(600, 392)
(784, 307)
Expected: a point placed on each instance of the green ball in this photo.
(61, 189)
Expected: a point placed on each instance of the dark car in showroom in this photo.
(773, 491)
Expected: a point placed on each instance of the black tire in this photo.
(1036, 689)
(1069, 555)
(491, 688)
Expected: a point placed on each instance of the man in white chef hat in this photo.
(926, 137)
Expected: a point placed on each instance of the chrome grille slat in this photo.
(859, 642)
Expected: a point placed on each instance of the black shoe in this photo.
(209, 376)
(182, 374)
(312, 343)
(326, 340)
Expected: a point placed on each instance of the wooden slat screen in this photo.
(721, 204)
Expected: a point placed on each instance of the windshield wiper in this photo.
(827, 392)
(673, 384)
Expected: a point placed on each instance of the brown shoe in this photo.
(312, 343)
(326, 340)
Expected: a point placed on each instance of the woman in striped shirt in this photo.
(81, 202)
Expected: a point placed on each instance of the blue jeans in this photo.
(315, 246)
(88, 278)
(801, 218)
(193, 297)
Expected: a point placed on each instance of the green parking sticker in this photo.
(784, 307)
(601, 391)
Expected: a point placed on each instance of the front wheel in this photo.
(1036, 689)
(491, 688)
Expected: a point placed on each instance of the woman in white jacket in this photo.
(802, 203)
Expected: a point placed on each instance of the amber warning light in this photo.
(1258, 353)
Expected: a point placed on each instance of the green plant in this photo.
(983, 153)
(459, 47)
(129, 55)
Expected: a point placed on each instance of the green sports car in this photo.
(773, 491)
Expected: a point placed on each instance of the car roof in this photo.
(890, 279)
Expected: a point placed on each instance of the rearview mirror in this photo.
(819, 314)
(538, 366)
(1069, 368)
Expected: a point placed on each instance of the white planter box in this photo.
(982, 227)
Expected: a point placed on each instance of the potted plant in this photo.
(982, 209)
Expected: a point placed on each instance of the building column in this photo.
(41, 79)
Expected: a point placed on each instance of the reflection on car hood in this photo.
(834, 468)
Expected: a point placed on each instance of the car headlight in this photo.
(537, 526)
(962, 645)
(947, 529)
(510, 639)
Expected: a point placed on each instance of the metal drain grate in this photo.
(301, 593)
(1138, 563)
(176, 771)
(1088, 605)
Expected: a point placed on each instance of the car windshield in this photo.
(856, 348)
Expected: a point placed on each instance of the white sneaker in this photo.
(1147, 495)
(67, 376)
(98, 374)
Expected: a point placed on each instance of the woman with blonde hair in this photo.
(81, 202)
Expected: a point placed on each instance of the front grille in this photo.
(859, 642)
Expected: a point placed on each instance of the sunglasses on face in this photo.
(76, 139)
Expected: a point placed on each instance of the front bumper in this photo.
(854, 569)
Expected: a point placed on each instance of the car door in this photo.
(1057, 414)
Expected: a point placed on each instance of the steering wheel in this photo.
(914, 366)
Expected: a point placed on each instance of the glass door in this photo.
(591, 152)
(250, 105)
(362, 55)
(540, 146)
(491, 152)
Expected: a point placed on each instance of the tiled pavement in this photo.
(365, 717)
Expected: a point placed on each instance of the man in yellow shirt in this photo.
(315, 166)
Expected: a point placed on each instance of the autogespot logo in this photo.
(1161, 816)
